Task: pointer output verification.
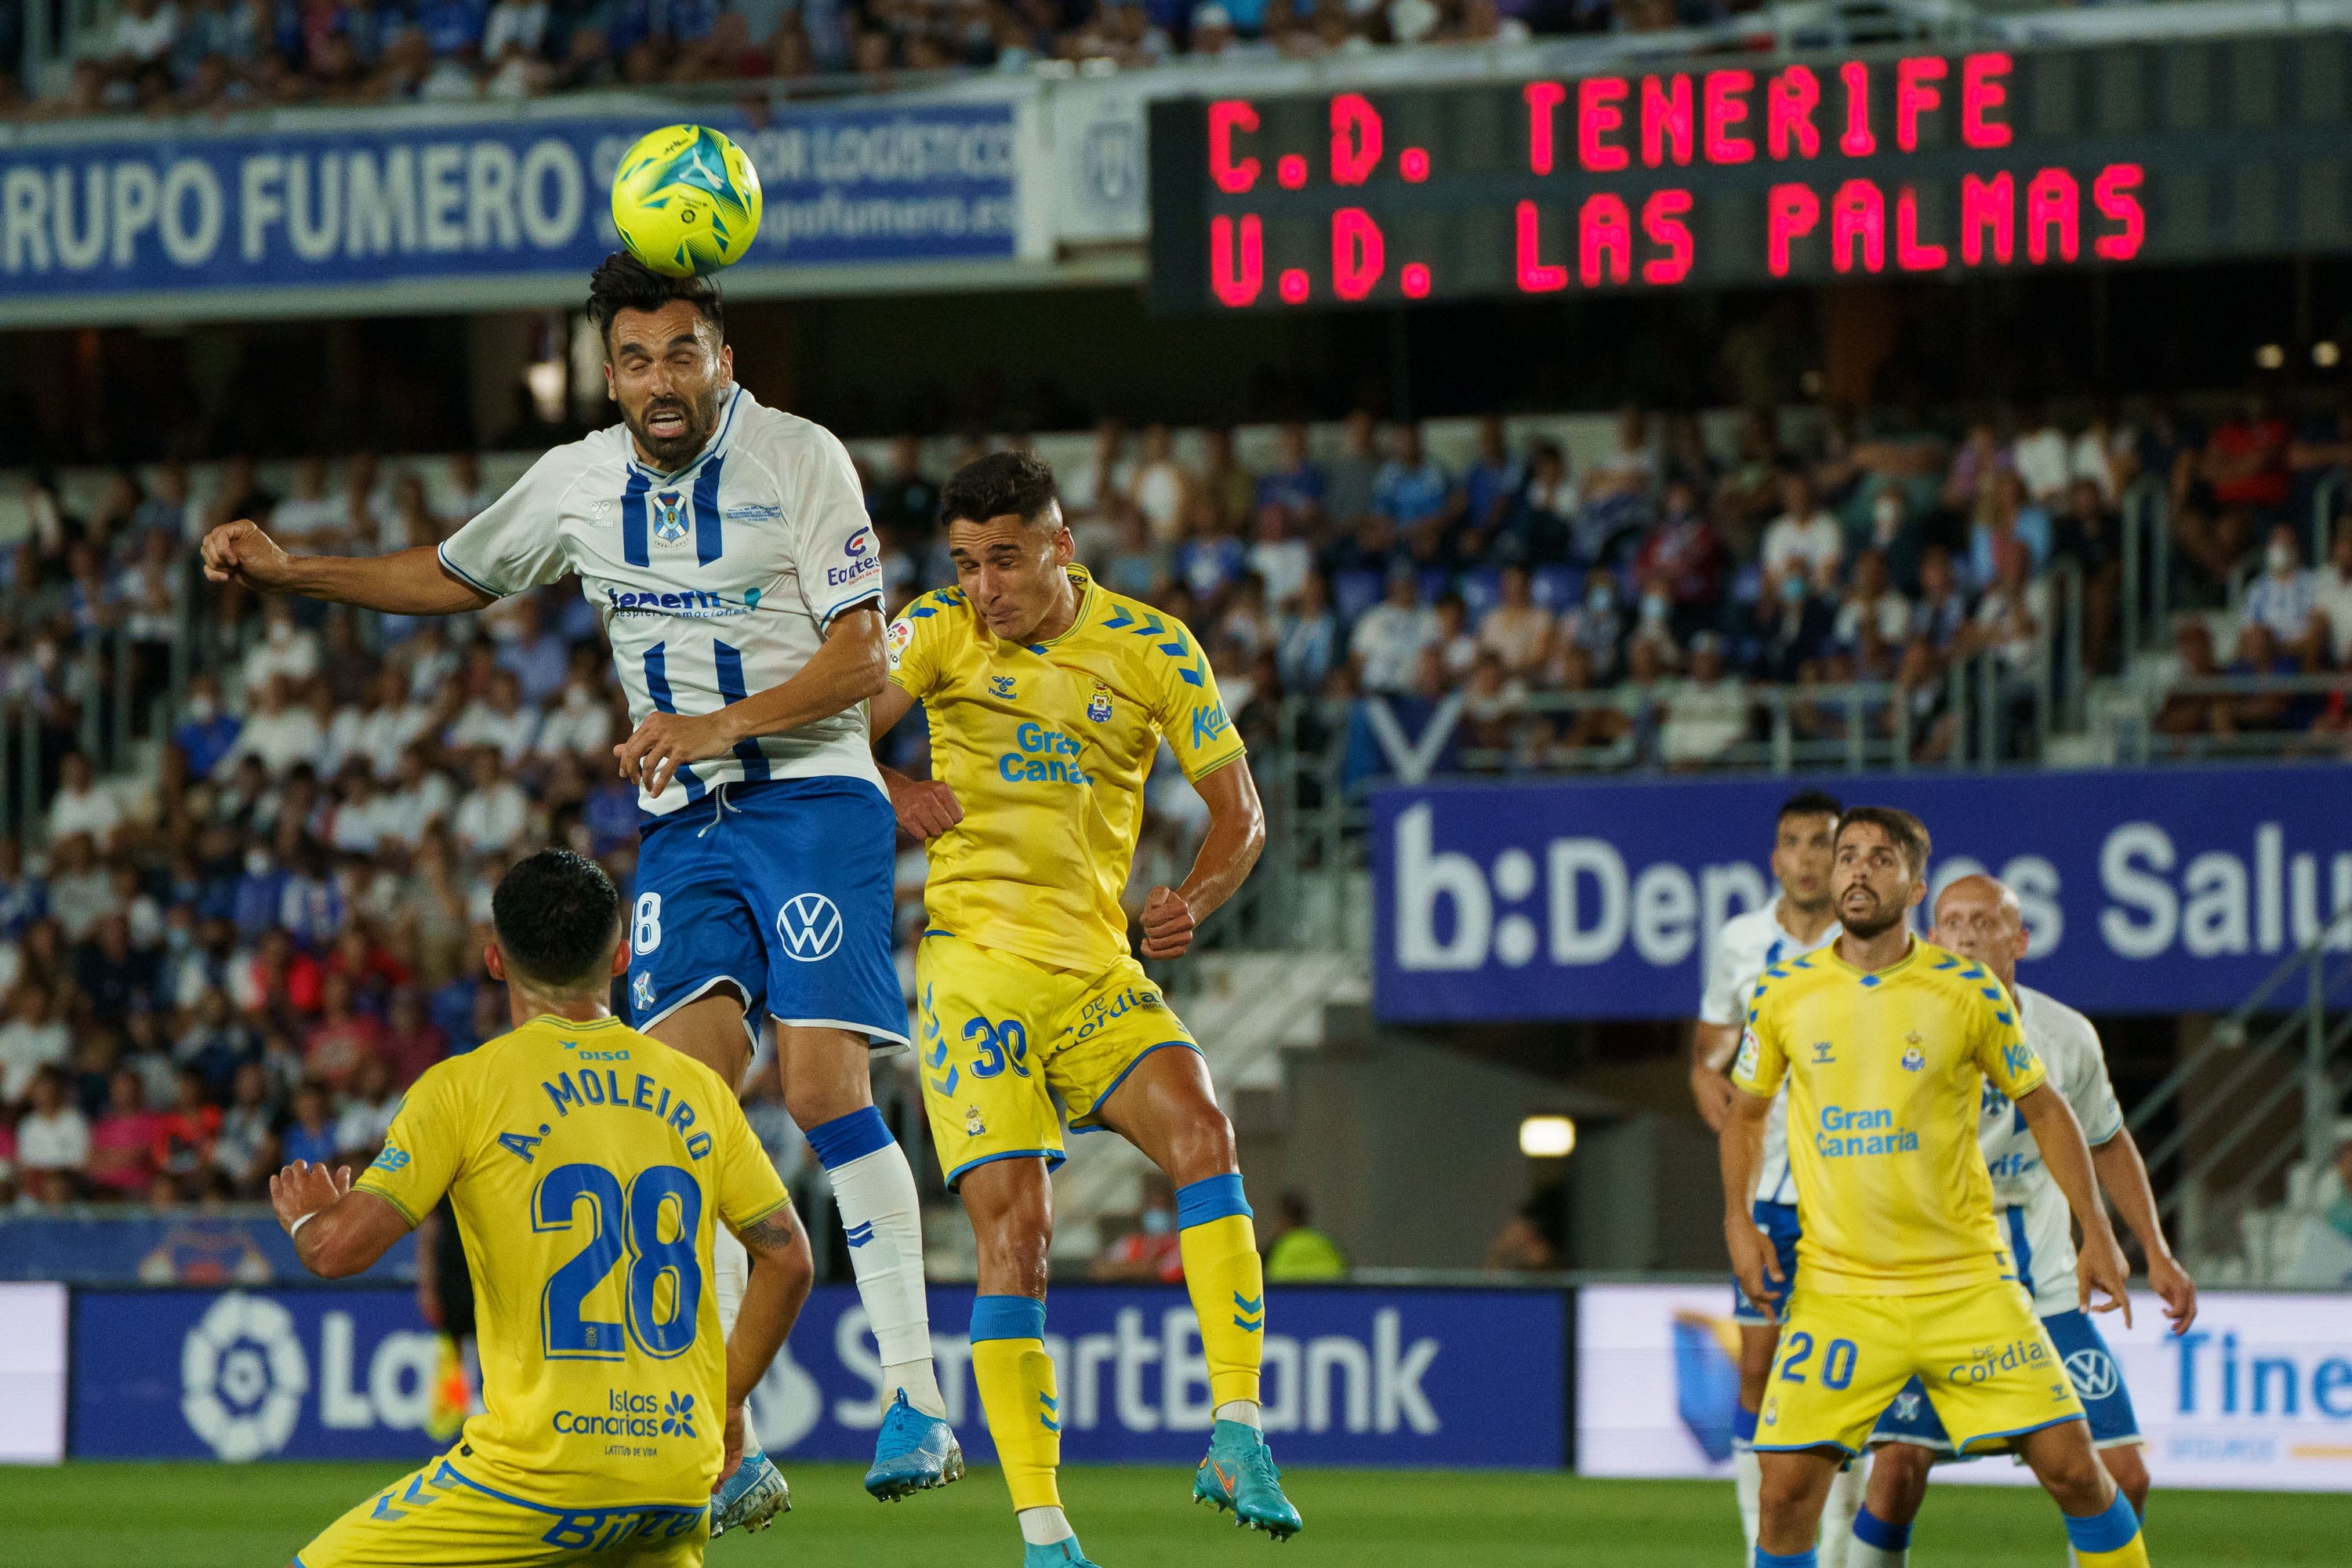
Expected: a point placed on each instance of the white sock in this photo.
(1043, 1526)
(875, 1194)
(1241, 1410)
(730, 1269)
(1837, 1515)
(1862, 1554)
(1748, 1477)
(921, 1382)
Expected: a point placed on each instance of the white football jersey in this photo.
(714, 581)
(2034, 1217)
(1747, 946)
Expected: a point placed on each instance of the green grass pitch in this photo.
(210, 1516)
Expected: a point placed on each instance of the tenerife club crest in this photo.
(667, 509)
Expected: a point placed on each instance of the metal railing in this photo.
(2261, 736)
(2222, 1150)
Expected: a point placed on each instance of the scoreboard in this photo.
(1729, 170)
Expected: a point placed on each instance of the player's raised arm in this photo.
(1237, 837)
(407, 582)
(2101, 1267)
(337, 1232)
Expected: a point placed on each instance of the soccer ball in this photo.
(687, 201)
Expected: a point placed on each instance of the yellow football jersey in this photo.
(1047, 747)
(587, 1164)
(1887, 1073)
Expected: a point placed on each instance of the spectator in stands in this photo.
(1493, 705)
(1149, 1254)
(1225, 489)
(32, 1040)
(1793, 621)
(1385, 647)
(309, 1133)
(1683, 557)
(1162, 488)
(1489, 485)
(2246, 460)
(1805, 539)
(185, 1133)
(1518, 630)
(495, 813)
(2285, 597)
(1597, 626)
(1295, 487)
(1295, 1252)
(206, 733)
(343, 1037)
(1416, 494)
(1308, 636)
(367, 1113)
(52, 1141)
(2042, 457)
(2259, 655)
(1352, 477)
(1706, 713)
(80, 891)
(2086, 537)
(2331, 598)
(1941, 614)
(1871, 602)
(24, 896)
(82, 804)
(245, 1148)
(122, 1142)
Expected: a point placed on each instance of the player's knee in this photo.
(1898, 1481)
(1786, 1487)
(1203, 1146)
(2130, 1472)
(827, 1074)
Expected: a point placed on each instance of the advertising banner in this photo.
(400, 199)
(2155, 890)
(1353, 1376)
(191, 1248)
(2256, 1397)
(32, 1374)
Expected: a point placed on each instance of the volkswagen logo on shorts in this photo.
(809, 927)
(2093, 1373)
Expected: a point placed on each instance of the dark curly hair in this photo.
(622, 282)
(557, 916)
(1018, 484)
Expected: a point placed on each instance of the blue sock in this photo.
(2109, 1531)
(1872, 1530)
(1805, 1559)
(1743, 1428)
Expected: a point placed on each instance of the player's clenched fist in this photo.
(926, 807)
(240, 551)
(1756, 1266)
(1167, 924)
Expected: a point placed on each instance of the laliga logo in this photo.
(243, 1377)
(809, 927)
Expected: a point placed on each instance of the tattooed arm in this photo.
(782, 1270)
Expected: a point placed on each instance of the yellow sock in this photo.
(1018, 1395)
(1227, 1283)
(2110, 1540)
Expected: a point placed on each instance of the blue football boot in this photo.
(1061, 1554)
(751, 1497)
(913, 1453)
(1239, 1474)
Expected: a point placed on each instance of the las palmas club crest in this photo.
(669, 509)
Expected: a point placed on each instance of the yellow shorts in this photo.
(1008, 1047)
(1986, 1360)
(439, 1518)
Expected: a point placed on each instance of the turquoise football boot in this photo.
(752, 1498)
(912, 1453)
(1061, 1554)
(1239, 1474)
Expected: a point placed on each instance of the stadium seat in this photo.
(1353, 593)
(1557, 588)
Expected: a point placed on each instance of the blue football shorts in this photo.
(779, 892)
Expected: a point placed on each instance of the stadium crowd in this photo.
(244, 954)
(188, 56)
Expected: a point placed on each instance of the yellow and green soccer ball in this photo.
(687, 201)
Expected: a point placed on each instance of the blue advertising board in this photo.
(2160, 891)
(397, 199)
(197, 1248)
(1353, 1376)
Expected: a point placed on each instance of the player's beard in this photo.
(674, 452)
(1883, 918)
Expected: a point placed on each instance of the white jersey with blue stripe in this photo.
(1747, 946)
(714, 581)
(2033, 1214)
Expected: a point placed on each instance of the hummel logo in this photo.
(859, 1235)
